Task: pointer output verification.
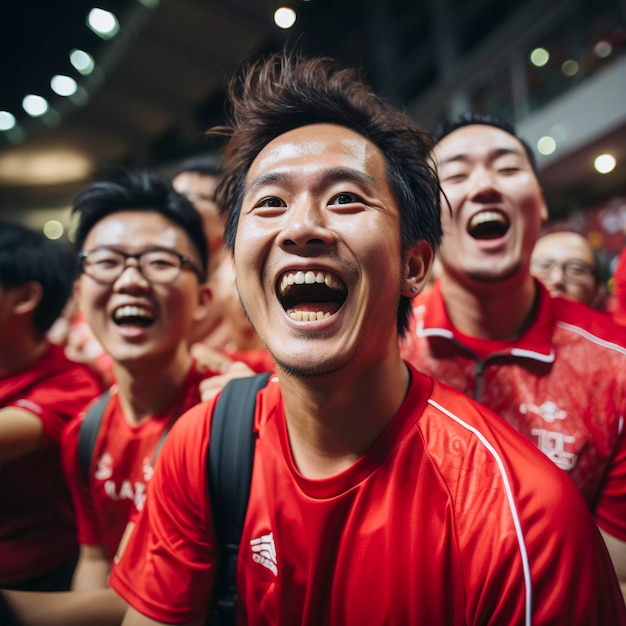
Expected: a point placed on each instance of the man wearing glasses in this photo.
(142, 264)
(565, 263)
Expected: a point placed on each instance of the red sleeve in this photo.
(166, 569)
(59, 397)
(86, 522)
(610, 512)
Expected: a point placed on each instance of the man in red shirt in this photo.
(40, 390)
(141, 288)
(551, 367)
(378, 495)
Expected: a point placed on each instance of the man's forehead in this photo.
(475, 140)
(307, 145)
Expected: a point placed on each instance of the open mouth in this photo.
(133, 316)
(312, 295)
(488, 225)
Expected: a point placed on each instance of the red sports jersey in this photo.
(121, 465)
(450, 518)
(37, 532)
(562, 385)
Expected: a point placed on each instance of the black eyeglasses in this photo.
(157, 265)
(573, 271)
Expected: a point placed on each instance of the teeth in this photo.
(309, 278)
(486, 216)
(131, 311)
(307, 316)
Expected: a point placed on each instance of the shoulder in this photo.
(474, 446)
(67, 376)
(589, 324)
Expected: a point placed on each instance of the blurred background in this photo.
(88, 83)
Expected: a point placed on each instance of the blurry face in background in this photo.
(565, 264)
(200, 189)
(496, 205)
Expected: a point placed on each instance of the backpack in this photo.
(229, 472)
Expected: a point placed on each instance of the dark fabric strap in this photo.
(89, 430)
(229, 466)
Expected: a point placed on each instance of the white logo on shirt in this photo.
(549, 411)
(264, 552)
(553, 446)
(104, 469)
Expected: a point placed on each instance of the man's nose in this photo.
(484, 186)
(306, 223)
(131, 274)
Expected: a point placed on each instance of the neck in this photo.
(148, 389)
(333, 420)
(498, 311)
(26, 349)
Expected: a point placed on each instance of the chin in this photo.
(316, 369)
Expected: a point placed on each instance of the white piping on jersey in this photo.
(587, 335)
(432, 332)
(448, 334)
(509, 497)
(531, 354)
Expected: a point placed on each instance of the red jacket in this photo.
(562, 385)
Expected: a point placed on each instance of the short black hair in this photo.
(136, 190)
(205, 165)
(27, 256)
(470, 118)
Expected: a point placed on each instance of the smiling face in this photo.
(497, 206)
(133, 319)
(317, 252)
(556, 251)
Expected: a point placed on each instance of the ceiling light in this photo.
(7, 120)
(603, 49)
(35, 106)
(569, 68)
(63, 85)
(284, 17)
(546, 145)
(53, 229)
(604, 163)
(539, 57)
(82, 61)
(30, 166)
(103, 23)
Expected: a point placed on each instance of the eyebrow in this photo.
(333, 175)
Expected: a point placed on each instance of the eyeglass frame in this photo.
(591, 270)
(184, 261)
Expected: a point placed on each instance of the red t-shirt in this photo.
(562, 385)
(450, 518)
(37, 532)
(121, 465)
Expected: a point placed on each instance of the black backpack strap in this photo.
(89, 430)
(229, 466)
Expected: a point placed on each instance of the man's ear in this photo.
(26, 298)
(205, 300)
(418, 260)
